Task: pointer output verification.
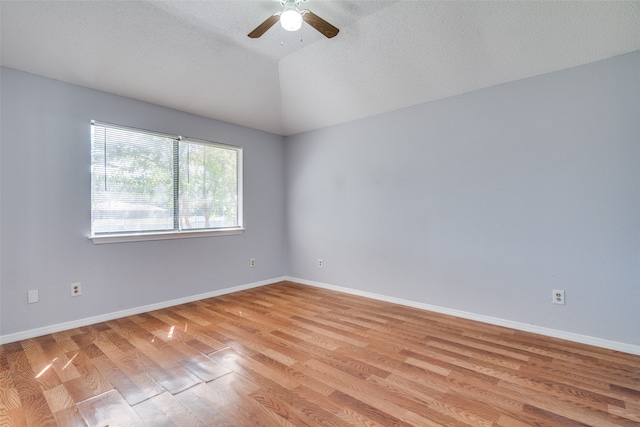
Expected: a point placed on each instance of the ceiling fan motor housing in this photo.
(291, 18)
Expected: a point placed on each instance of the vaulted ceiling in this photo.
(195, 56)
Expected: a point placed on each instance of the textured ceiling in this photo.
(195, 56)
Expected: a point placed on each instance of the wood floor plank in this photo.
(91, 382)
(61, 357)
(192, 360)
(13, 418)
(46, 375)
(544, 406)
(163, 366)
(231, 392)
(342, 415)
(362, 393)
(206, 411)
(70, 417)
(11, 412)
(247, 366)
(9, 397)
(58, 398)
(34, 406)
(165, 410)
(109, 409)
(122, 367)
(134, 388)
(292, 355)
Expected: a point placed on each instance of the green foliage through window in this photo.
(145, 182)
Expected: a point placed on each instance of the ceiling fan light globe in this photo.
(291, 20)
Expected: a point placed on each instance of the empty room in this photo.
(319, 213)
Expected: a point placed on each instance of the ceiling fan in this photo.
(291, 20)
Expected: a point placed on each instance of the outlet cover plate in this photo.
(76, 289)
(32, 296)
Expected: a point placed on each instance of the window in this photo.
(147, 185)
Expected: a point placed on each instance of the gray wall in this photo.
(45, 210)
(484, 202)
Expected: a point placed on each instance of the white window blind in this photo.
(145, 182)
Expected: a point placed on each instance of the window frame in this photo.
(122, 237)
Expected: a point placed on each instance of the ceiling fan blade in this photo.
(320, 24)
(262, 28)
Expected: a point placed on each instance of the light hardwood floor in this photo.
(293, 355)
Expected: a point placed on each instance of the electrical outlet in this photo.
(558, 296)
(252, 262)
(319, 262)
(76, 289)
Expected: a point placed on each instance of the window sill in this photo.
(142, 237)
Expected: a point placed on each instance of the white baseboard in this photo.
(32, 333)
(569, 336)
